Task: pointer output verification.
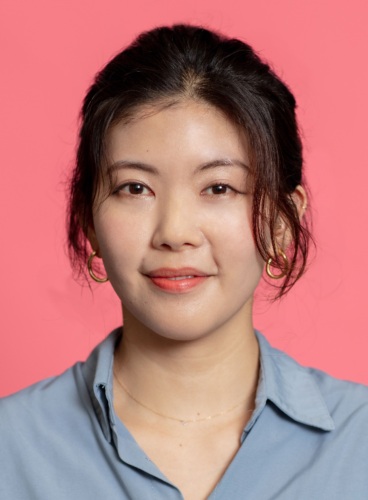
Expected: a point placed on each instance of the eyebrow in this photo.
(137, 165)
(222, 162)
(145, 167)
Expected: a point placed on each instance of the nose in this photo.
(177, 226)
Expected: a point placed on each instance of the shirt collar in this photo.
(98, 374)
(291, 387)
(282, 381)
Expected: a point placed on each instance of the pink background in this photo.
(50, 52)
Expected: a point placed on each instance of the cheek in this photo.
(238, 246)
(120, 240)
(234, 226)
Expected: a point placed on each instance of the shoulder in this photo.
(39, 429)
(64, 396)
(46, 431)
(346, 403)
(311, 396)
(345, 400)
(47, 403)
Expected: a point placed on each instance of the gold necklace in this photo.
(181, 420)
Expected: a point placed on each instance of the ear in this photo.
(300, 200)
(92, 238)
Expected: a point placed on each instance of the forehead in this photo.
(187, 132)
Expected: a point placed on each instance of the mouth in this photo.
(177, 280)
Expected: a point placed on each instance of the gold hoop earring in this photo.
(283, 271)
(90, 270)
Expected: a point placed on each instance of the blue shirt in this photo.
(60, 439)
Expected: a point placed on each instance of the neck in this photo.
(202, 377)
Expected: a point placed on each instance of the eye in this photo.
(134, 188)
(218, 189)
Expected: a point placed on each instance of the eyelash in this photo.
(143, 186)
(223, 185)
(129, 185)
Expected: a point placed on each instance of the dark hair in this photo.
(169, 63)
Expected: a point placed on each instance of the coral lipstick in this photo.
(177, 280)
(182, 284)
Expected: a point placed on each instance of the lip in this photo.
(187, 278)
(170, 272)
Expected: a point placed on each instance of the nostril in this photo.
(165, 245)
(173, 233)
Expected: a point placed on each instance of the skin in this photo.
(190, 354)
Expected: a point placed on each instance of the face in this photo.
(175, 230)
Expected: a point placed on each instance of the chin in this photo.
(194, 328)
(181, 331)
(183, 335)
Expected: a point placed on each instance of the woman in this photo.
(189, 186)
